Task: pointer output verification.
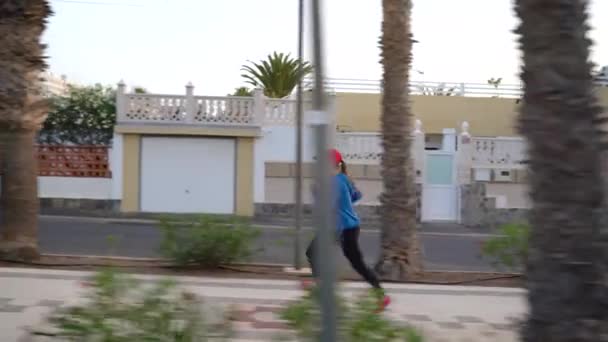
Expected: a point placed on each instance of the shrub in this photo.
(357, 322)
(511, 248)
(84, 116)
(207, 241)
(120, 309)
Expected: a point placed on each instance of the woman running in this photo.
(347, 227)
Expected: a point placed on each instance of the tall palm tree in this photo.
(22, 111)
(399, 256)
(278, 75)
(567, 263)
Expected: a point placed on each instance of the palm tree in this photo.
(278, 75)
(242, 92)
(399, 256)
(140, 90)
(22, 111)
(567, 265)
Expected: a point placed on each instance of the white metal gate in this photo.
(439, 188)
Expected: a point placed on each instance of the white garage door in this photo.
(187, 175)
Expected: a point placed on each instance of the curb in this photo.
(286, 268)
(145, 222)
(166, 262)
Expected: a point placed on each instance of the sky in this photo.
(164, 44)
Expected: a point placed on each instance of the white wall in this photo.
(509, 195)
(278, 144)
(115, 156)
(282, 190)
(74, 187)
(87, 187)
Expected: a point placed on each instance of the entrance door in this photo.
(439, 190)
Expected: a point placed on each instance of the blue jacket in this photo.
(346, 196)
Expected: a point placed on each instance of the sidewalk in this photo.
(454, 313)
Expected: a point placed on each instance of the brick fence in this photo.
(73, 161)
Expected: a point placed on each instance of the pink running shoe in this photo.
(386, 301)
(307, 284)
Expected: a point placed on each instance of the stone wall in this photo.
(79, 207)
(369, 214)
(479, 211)
(280, 182)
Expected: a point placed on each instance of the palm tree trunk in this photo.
(22, 112)
(399, 256)
(19, 200)
(567, 261)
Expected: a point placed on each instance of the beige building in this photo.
(487, 116)
(54, 85)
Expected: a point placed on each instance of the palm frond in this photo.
(278, 74)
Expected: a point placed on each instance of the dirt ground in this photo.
(160, 267)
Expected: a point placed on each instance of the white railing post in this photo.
(463, 90)
(190, 106)
(448, 142)
(121, 102)
(417, 150)
(259, 106)
(464, 155)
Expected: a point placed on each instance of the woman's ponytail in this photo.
(343, 168)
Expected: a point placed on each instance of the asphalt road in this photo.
(84, 236)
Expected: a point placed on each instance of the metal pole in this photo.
(298, 190)
(323, 204)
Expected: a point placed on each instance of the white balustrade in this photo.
(500, 152)
(464, 155)
(362, 148)
(154, 108)
(280, 111)
(224, 110)
(208, 110)
(366, 148)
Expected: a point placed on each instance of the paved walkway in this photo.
(454, 314)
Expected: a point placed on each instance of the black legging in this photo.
(349, 240)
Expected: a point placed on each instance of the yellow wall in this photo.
(486, 116)
(130, 172)
(244, 176)
(603, 97)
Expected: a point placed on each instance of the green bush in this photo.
(84, 116)
(357, 322)
(120, 309)
(511, 248)
(207, 241)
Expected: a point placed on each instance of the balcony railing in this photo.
(204, 110)
(425, 88)
(488, 152)
(343, 85)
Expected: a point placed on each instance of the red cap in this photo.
(335, 156)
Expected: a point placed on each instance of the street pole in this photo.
(324, 213)
(298, 190)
